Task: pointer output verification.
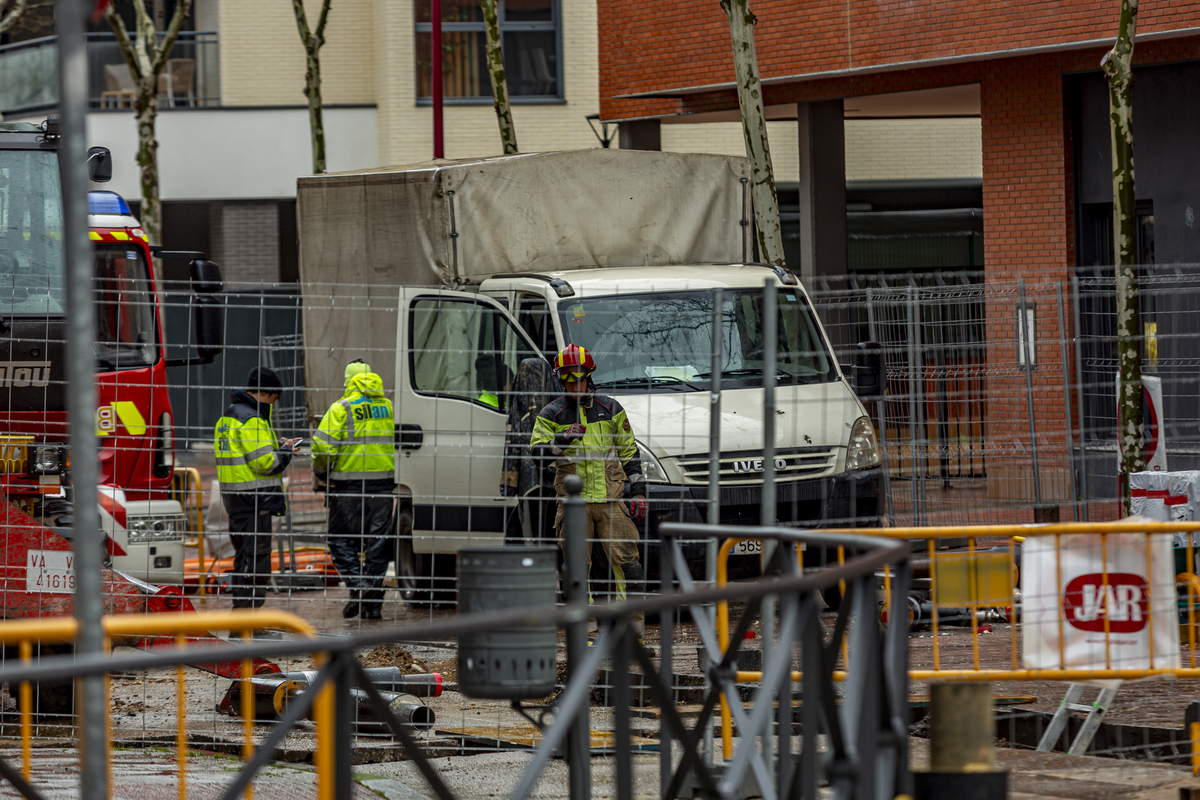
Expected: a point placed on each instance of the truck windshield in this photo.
(126, 334)
(31, 233)
(663, 341)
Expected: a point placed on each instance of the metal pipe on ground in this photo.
(386, 679)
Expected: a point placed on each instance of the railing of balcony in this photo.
(29, 74)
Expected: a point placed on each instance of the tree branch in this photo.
(320, 32)
(181, 11)
(13, 16)
(301, 22)
(118, 28)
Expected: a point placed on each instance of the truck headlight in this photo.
(652, 470)
(863, 450)
(47, 459)
(148, 530)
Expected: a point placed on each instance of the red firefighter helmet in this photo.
(574, 362)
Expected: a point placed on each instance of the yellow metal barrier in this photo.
(977, 580)
(186, 489)
(25, 632)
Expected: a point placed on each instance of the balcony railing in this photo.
(29, 74)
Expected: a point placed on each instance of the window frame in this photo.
(499, 319)
(555, 25)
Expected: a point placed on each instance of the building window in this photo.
(528, 35)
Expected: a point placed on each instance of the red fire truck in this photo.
(133, 419)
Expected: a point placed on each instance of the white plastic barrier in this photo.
(1167, 497)
(1089, 604)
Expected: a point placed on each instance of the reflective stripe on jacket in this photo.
(608, 439)
(356, 438)
(250, 461)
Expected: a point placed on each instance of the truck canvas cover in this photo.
(449, 223)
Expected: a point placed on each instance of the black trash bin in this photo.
(507, 663)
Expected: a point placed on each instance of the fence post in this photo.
(881, 410)
(917, 459)
(962, 759)
(714, 476)
(80, 330)
(1070, 437)
(578, 737)
(1027, 353)
(766, 515)
(1083, 467)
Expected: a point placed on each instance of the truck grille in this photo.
(746, 467)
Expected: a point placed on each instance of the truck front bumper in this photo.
(848, 500)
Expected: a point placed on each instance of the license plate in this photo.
(750, 547)
(14, 454)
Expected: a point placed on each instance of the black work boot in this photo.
(351, 609)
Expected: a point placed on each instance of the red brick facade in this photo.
(1018, 53)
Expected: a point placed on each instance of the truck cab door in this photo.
(456, 356)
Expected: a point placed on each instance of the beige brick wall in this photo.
(369, 58)
(262, 59)
(899, 149)
(727, 138)
(406, 129)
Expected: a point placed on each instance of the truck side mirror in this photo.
(206, 277)
(868, 370)
(99, 163)
(210, 326)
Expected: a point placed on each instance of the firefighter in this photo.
(250, 463)
(589, 434)
(354, 454)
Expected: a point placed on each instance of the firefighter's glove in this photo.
(568, 437)
(319, 481)
(508, 491)
(637, 509)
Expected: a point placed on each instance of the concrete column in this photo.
(822, 140)
(645, 134)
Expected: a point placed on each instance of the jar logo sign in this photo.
(1123, 600)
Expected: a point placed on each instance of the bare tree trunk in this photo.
(313, 41)
(146, 57)
(1117, 65)
(495, 62)
(10, 13)
(754, 125)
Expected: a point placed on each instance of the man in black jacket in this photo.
(250, 464)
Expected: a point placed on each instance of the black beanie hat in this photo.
(263, 378)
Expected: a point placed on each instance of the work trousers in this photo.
(251, 537)
(609, 525)
(359, 541)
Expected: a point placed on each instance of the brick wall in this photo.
(406, 129)
(682, 43)
(908, 149)
(262, 59)
(245, 241)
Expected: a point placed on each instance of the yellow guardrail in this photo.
(186, 489)
(25, 632)
(975, 580)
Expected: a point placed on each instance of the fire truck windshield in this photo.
(126, 333)
(32, 263)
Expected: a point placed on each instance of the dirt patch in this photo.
(448, 669)
(391, 655)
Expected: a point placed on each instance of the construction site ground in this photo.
(481, 746)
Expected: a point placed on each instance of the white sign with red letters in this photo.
(1087, 605)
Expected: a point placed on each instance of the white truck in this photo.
(423, 269)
